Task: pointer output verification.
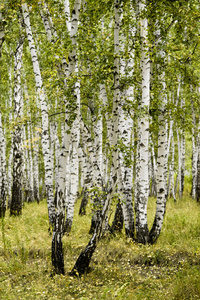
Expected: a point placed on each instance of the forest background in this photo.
(100, 103)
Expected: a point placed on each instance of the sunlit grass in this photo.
(120, 268)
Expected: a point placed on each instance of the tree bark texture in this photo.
(143, 137)
(48, 163)
(16, 200)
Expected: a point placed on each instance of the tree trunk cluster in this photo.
(96, 109)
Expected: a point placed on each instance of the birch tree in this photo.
(57, 251)
(83, 261)
(3, 180)
(44, 113)
(2, 30)
(161, 174)
(16, 201)
(143, 134)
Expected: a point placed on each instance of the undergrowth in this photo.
(120, 268)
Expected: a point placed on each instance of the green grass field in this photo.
(120, 269)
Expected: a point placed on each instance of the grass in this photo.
(120, 269)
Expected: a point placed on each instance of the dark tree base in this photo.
(130, 233)
(84, 202)
(118, 221)
(93, 226)
(82, 264)
(143, 235)
(16, 200)
(2, 212)
(57, 254)
(68, 226)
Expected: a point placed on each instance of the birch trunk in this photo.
(96, 158)
(161, 175)
(104, 100)
(57, 250)
(30, 166)
(82, 263)
(74, 163)
(45, 120)
(26, 185)
(84, 258)
(179, 182)
(198, 177)
(194, 154)
(126, 172)
(171, 163)
(36, 168)
(73, 193)
(182, 156)
(125, 129)
(16, 200)
(143, 137)
(154, 171)
(170, 187)
(198, 166)
(3, 179)
(9, 171)
(2, 32)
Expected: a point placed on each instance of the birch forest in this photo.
(99, 103)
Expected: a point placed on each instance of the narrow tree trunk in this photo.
(198, 167)
(96, 157)
(162, 156)
(84, 202)
(117, 224)
(9, 170)
(2, 31)
(198, 179)
(73, 189)
(36, 168)
(3, 179)
(154, 171)
(161, 176)
(143, 137)
(16, 201)
(30, 166)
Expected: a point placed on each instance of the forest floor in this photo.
(120, 268)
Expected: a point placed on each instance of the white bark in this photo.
(9, 171)
(73, 35)
(45, 19)
(194, 154)
(125, 155)
(116, 96)
(2, 32)
(57, 252)
(197, 195)
(162, 156)
(25, 167)
(30, 165)
(104, 100)
(143, 137)
(154, 171)
(181, 155)
(45, 120)
(67, 14)
(36, 166)
(73, 189)
(3, 177)
(16, 201)
(170, 187)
